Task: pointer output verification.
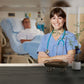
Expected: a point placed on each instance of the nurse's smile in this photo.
(57, 22)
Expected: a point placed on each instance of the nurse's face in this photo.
(57, 22)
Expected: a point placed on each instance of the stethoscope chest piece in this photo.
(47, 51)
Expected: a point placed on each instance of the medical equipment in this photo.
(26, 16)
(40, 27)
(40, 22)
(47, 51)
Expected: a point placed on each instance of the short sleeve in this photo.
(71, 42)
(21, 35)
(42, 45)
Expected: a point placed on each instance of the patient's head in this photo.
(26, 23)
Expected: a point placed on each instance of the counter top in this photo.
(24, 65)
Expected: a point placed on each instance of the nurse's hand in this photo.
(42, 56)
(69, 58)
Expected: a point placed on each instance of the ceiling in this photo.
(26, 3)
(33, 4)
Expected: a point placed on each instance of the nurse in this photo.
(59, 43)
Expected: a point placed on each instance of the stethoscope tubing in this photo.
(57, 43)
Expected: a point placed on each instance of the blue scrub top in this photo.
(69, 39)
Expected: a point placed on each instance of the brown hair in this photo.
(60, 13)
(24, 19)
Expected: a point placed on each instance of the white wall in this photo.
(82, 10)
(18, 14)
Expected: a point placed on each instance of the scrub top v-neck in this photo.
(69, 44)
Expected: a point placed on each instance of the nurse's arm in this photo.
(42, 56)
(69, 57)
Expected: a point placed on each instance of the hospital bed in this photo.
(11, 27)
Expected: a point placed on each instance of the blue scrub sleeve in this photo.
(42, 45)
(71, 42)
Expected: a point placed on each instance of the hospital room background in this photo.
(12, 51)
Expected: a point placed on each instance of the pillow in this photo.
(15, 24)
(33, 21)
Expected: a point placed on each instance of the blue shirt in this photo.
(69, 39)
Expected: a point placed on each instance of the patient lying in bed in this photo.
(28, 33)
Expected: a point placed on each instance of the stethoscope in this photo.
(47, 51)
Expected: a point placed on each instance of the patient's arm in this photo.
(23, 40)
